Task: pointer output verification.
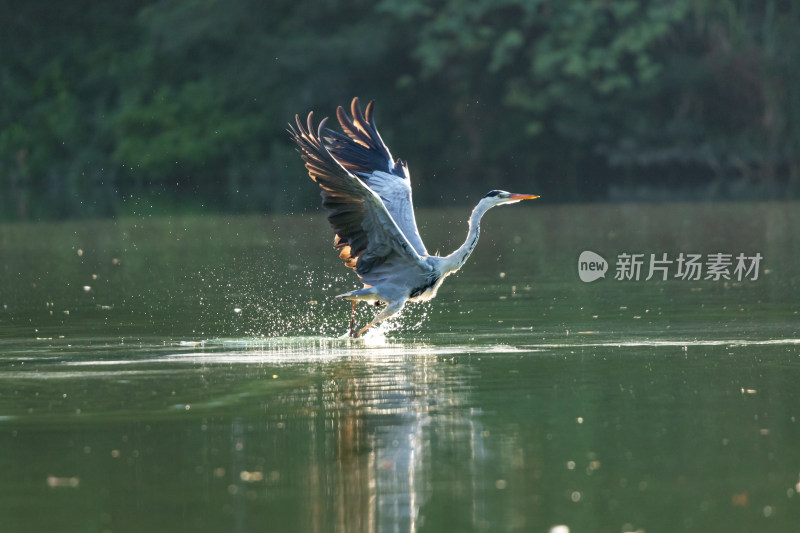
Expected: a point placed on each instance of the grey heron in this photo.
(367, 195)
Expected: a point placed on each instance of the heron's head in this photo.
(504, 197)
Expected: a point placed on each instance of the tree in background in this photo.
(181, 104)
(631, 94)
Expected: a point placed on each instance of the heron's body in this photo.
(368, 198)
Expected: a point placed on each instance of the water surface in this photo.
(192, 374)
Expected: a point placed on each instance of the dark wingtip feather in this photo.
(355, 110)
(309, 122)
(350, 128)
(342, 117)
(321, 127)
(361, 149)
(368, 113)
(291, 129)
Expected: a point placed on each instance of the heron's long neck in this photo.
(457, 259)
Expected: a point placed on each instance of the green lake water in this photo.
(193, 374)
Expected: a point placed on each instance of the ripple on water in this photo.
(374, 347)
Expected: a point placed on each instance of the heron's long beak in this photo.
(517, 197)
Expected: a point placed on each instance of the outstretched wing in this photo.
(366, 234)
(362, 151)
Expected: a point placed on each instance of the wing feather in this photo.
(366, 233)
(361, 150)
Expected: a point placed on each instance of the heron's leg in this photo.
(353, 320)
(391, 309)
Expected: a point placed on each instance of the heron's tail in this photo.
(367, 293)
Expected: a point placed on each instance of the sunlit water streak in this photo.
(291, 350)
(679, 343)
(375, 349)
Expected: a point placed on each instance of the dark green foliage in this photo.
(129, 106)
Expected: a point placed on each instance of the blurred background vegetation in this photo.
(137, 106)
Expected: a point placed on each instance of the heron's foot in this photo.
(388, 311)
(353, 320)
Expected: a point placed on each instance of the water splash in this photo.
(297, 302)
